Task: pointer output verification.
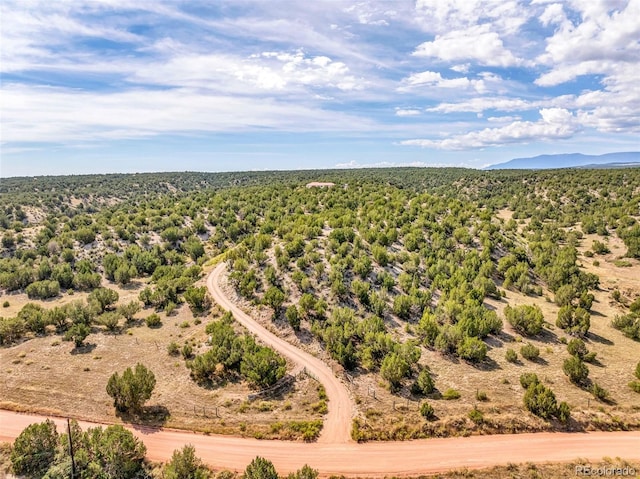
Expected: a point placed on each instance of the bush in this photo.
(530, 352)
(576, 347)
(43, 289)
(637, 371)
(77, 333)
(305, 472)
(153, 320)
(173, 349)
(293, 317)
(262, 367)
(635, 386)
(260, 468)
(525, 319)
(476, 416)
(184, 464)
(424, 383)
(511, 356)
(451, 394)
(187, 351)
(197, 298)
(541, 401)
(564, 412)
(575, 321)
(628, 324)
(394, 368)
(131, 390)
(481, 396)
(576, 370)
(599, 392)
(34, 449)
(527, 379)
(103, 298)
(472, 349)
(426, 411)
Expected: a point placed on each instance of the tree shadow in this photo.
(304, 336)
(539, 360)
(148, 420)
(599, 339)
(547, 336)
(84, 349)
(488, 364)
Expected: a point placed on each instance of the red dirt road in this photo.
(336, 454)
(376, 459)
(337, 422)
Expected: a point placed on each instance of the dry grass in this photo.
(536, 471)
(45, 374)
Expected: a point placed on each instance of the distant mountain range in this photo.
(572, 160)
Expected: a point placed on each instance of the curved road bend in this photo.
(375, 459)
(337, 422)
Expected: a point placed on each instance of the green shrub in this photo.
(541, 401)
(173, 349)
(426, 411)
(628, 324)
(451, 394)
(482, 396)
(525, 319)
(635, 386)
(472, 349)
(511, 356)
(599, 392)
(576, 370)
(424, 383)
(530, 352)
(187, 351)
(153, 321)
(476, 416)
(527, 379)
(564, 412)
(575, 321)
(637, 371)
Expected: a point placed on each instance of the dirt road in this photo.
(336, 454)
(376, 459)
(337, 422)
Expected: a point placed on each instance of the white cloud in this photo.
(431, 79)
(407, 112)
(553, 15)
(555, 123)
(476, 43)
(64, 115)
(607, 35)
(503, 119)
(480, 104)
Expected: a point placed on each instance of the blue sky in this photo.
(92, 86)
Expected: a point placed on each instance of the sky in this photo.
(99, 86)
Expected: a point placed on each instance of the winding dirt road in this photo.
(337, 423)
(336, 454)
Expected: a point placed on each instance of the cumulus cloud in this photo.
(476, 43)
(555, 123)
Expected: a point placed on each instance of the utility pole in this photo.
(73, 461)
